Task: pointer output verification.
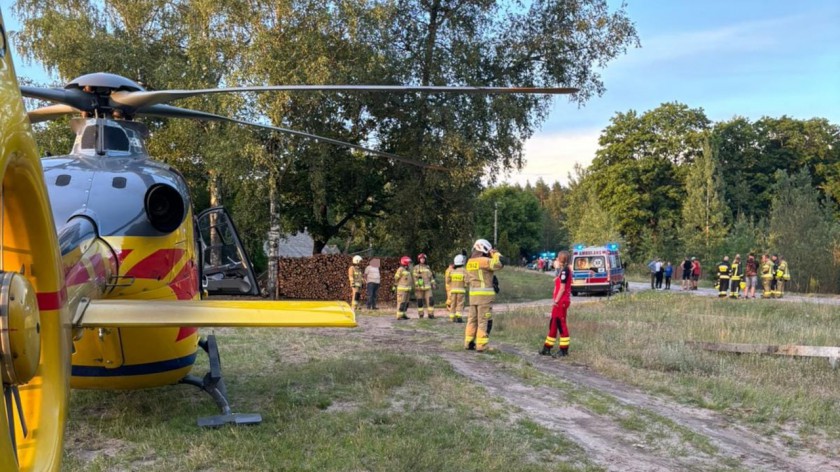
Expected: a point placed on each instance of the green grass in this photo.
(329, 402)
(640, 339)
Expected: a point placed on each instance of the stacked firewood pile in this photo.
(324, 277)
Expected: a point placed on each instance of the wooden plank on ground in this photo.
(832, 353)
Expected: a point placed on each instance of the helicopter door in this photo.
(226, 267)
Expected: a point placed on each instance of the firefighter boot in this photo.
(546, 351)
(471, 346)
(562, 352)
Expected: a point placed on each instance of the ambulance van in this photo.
(597, 269)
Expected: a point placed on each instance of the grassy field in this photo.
(639, 339)
(330, 402)
(346, 400)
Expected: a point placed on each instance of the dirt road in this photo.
(634, 432)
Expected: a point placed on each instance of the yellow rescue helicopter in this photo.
(104, 264)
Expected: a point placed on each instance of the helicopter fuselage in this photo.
(126, 231)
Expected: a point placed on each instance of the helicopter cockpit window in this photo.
(122, 139)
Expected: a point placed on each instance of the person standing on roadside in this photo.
(782, 276)
(403, 286)
(766, 277)
(424, 283)
(354, 275)
(724, 270)
(751, 276)
(562, 299)
(481, 265)
(669, 271)
(736, 274)
(652, 267)
(456, 280)
(696, 271)
(686, 273)
(372, 280)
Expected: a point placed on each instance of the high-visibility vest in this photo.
(456, 279)
(403, 279)
(480, 278)
(354, 273)
(423, 277)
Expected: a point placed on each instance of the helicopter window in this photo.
(115, 139)
(62, 180)
(118, 182)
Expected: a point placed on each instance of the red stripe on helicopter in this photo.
(123, 253)
(52, 300)
(185, 333)
(185, 284)
(157, 265)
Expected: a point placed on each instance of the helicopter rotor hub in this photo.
(20, 329)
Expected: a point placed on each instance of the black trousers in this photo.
(372, 290)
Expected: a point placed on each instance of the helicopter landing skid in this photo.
(214, 385)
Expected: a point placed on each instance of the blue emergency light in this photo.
(612, 246)
(579, 247)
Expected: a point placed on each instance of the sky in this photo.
(749, 58)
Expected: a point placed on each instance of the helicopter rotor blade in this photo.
(75, 98)
(167, 111)
(148, 98)
(51, 112)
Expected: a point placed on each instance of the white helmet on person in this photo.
(482, 245)
(460, 260)
(357, 259)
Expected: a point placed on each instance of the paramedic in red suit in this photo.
(562, 300)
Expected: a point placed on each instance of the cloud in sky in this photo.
(552, 156)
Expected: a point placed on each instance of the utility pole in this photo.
(495, 224)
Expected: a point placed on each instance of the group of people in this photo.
(370, 278)
(474, 276)
(735, 276)
(658, 271)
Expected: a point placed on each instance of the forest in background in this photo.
(670, 183)
(665, 182)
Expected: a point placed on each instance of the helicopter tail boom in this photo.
(216, 313)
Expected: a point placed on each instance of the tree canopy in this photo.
(327, 190)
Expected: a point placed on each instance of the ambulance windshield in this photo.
(589, 262)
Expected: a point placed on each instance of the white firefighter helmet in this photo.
(482, 245)
(460, 260)
(356, 259)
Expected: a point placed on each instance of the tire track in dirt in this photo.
(605, 440)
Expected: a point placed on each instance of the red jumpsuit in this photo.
(558, 312)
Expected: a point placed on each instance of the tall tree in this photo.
(705, 216)
(190, 43)
(587, 221)
(796, 211)
(638, 171)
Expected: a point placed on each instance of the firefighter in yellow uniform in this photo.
(456, 281)
(766, 276)
(737, 271)
(480, 267)
(404, 286)
(424, 283)
(724, 269)
(354, 274)
(782, 276)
